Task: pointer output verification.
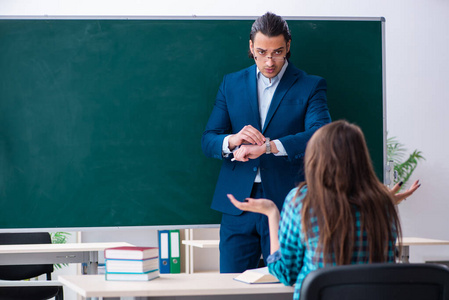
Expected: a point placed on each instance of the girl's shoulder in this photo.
(295, 197)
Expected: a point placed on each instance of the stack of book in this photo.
(132, 263)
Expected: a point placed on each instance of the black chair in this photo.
(20, 272)
(378, 282)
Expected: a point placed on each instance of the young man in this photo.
(260, 124)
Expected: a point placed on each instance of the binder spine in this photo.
(164, 251)
(175, 250)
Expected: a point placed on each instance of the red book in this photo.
(131, 252)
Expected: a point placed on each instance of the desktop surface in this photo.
(68, 247)
(199, 284)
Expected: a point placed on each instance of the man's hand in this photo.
(248, 135)
(247, 152)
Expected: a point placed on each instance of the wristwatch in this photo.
(268, 145)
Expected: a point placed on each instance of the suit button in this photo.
(255, 169)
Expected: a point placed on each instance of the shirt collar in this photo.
(276, 78)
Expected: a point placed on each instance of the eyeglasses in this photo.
(266, 58)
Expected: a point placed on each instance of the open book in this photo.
(259, 275)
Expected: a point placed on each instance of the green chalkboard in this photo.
(101, 120)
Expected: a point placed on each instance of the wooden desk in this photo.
(202, 243)
(406, 243)
(187, 286)
(415, 241)
(29, 254)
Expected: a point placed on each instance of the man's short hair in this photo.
(270, 25)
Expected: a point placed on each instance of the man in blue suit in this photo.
(260, 124)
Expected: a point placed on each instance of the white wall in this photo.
(417, 72)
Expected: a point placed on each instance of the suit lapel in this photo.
(252, 96)
(289, 77)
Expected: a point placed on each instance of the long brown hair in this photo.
(340, 180)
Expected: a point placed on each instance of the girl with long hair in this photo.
(342, 214)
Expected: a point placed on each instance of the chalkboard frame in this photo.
(174, 18)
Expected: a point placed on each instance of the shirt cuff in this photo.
(274, 257)
(225, 148)
(280, 148)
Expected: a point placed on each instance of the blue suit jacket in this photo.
(297, 110)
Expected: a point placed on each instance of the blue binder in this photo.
(164, 251)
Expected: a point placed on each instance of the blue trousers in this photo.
(244, 238)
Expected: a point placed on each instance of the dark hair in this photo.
(270, 25)
(340, 177)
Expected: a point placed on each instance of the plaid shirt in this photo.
(296, 258)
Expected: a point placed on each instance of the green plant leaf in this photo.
(404, 168)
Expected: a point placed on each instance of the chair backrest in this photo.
(19, 272)
(378, 282)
